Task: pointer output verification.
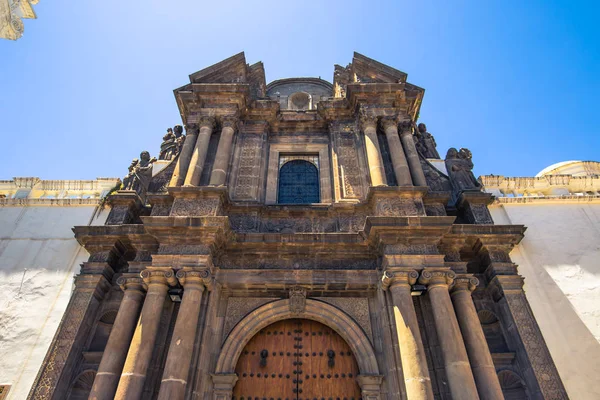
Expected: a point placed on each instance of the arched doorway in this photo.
(296, 359)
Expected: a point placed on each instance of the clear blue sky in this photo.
(90, 83)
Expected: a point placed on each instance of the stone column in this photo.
(109, 371)
(194, 171)
(179, 358)
(131, 384)
(218, 175)
(408, 142)
(183, 162)
(480, 358)
(412, 352)
(401, 170)
(456, 362)
(376, 169)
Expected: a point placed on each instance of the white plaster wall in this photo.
(560, 260)
(38, 259)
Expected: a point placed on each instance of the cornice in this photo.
(49, 202)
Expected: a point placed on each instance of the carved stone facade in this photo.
(383, 258)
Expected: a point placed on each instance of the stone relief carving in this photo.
(246, 183)
(297, 300)
(160, 181)
(196, 207)
(161, 210)
(460, 170)
(183, 249)
(435, 210)
(316, 262)
(172, 143)
(238, 308)
(350, 171)
(425, 142)
(355, 307)
(478, 214)
(539, 356)
(140, 174)
(437, 181)
(396, 207)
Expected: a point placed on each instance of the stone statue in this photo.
(426, 143)
(143, 173)
(128, 180)
(460, 170)
(172, 143)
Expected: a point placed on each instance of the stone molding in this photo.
(532, 187)
(464, 283)
(315, 310)
(437, 278)
(398, 278)
(195, 278)
(158, 277)
(132, 283)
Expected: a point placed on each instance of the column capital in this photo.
(406, 127)
(158, 276)
(188, 278)
(229, 122)
(389, 122)
(398, 278)
(437, 278)
(131, 283)
(368, 121)
(191, 129)
(208, 122)
(464, 283)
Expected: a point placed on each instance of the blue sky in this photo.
(90, 83)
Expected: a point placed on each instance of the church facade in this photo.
(303, 240)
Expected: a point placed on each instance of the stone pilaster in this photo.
(111, 365)
(376, 169)
(218, 176)
(412, 156)
(183, 162)
(456, 361)
(131, 384)
(506, 287)
(54, 378)
(370, 386)
(199, 154)
(177, 367)
(412, 353)
(399, 162)
(480, 358)
(223, 386)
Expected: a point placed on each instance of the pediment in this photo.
(367, 70)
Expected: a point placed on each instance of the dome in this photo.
(574, 168)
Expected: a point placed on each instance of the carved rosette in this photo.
(297, 300)
(465, 283)
(437, 278)
(202, 278)
(158, 277)
(397, 278)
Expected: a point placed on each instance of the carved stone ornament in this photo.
(391, 278)
(396, 207)
(436, 278)
(460, 170)
(297, 300)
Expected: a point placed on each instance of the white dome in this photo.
(574, 168)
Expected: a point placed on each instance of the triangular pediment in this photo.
(230, 70)
(368, 70)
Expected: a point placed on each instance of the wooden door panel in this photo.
(297, 366)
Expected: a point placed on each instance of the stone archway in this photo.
(369, 379)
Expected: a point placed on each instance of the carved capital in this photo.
(164, 277)
(191, 129)
(389, 123)
(437, 278)
(207, 122)
(189, 278)
(398, 278)
(368, 121)
(297, 299)
(131, 283)
(406, 127)
(464, 283)
(229, 122)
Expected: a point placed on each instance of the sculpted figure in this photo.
(179, 138)
(426, 143)
(143, 173)
(460, 169)
(128, 180)
(172, 143)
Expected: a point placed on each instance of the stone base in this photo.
(198, 201)
(126, 207)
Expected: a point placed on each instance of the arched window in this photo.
(298, 183)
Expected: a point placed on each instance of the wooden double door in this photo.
(296, 359)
